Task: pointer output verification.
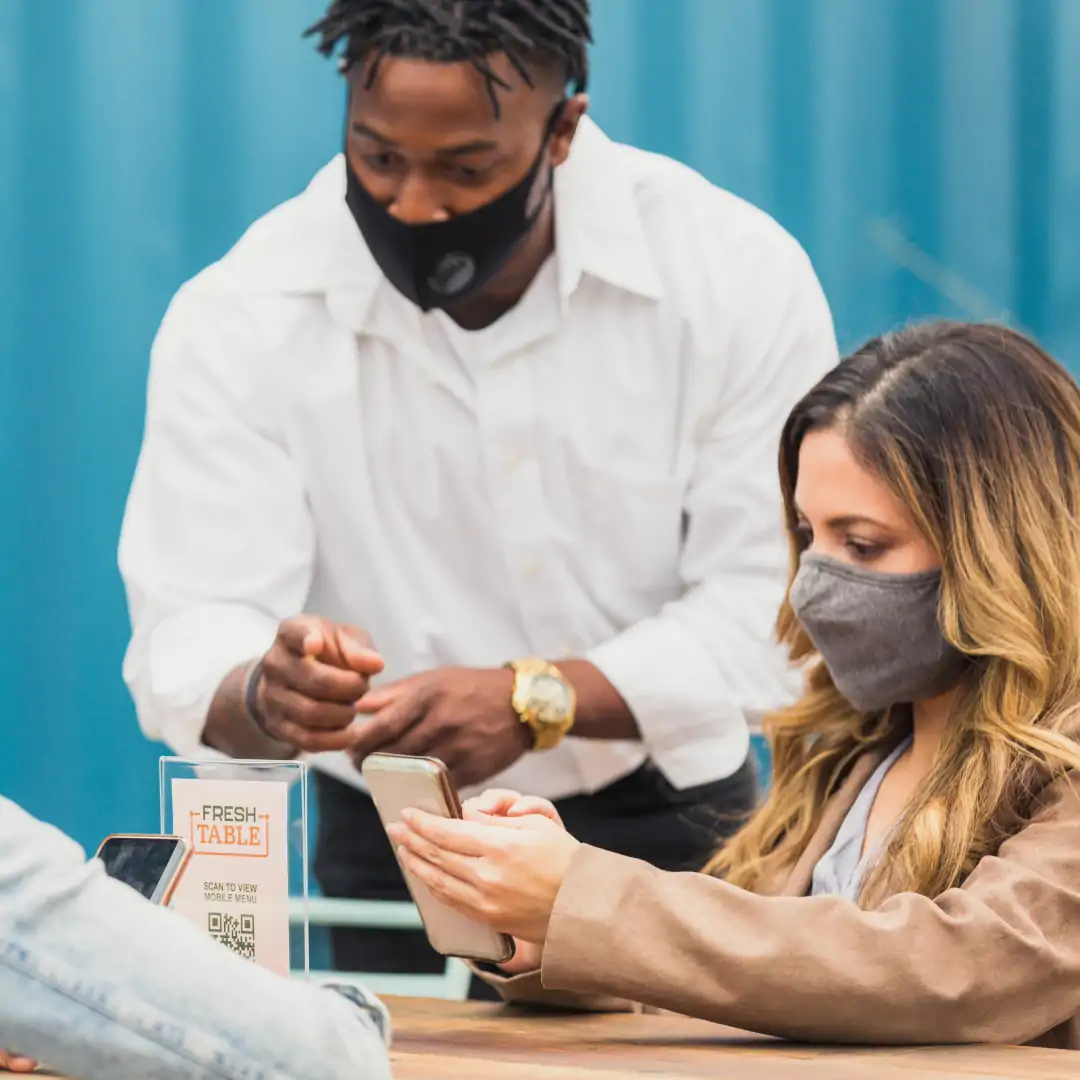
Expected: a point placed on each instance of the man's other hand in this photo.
(312, 678)
(462, 716)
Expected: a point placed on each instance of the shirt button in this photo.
(532, 567)
(514, 460)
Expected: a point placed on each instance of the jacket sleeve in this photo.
(997, 960)
(528, 989)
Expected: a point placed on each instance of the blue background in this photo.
(926, 152)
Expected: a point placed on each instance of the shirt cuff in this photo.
(690, 724)
(186, 657)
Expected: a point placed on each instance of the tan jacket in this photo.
(995, 960)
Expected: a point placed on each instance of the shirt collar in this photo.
(598, 233)
(598, 228)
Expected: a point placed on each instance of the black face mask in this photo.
(437, 264)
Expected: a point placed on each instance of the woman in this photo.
(914, 874)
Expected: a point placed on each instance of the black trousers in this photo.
(641, 815)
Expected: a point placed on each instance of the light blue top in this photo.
(841, 869)
(98, 982)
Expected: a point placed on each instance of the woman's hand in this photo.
(501, 870)
(501, 802)
(527, 957)
(16, 1064)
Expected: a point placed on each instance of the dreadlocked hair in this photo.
(531, 33)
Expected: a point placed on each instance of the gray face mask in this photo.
(877, 633)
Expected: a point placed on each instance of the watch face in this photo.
(549, 699)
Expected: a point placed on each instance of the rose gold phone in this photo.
(401, 783)
(151, 865)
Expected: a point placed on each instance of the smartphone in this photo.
(151, 865)
(401, 783)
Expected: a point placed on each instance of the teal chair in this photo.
(324, 913)
(760, 749)
(451, 985)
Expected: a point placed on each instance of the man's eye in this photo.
(383, 162)
(466, 173)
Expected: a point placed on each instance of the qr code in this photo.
(236, 932)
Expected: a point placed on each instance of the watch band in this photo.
(516, 667)
(251, 697)
(545, 736)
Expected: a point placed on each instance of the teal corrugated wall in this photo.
(927, 153)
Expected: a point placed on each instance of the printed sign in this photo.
(236, 886)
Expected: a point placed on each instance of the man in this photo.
(496, 390)
(101, 984)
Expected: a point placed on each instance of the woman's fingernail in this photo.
(408, 816)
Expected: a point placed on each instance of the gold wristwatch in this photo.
(544, 701)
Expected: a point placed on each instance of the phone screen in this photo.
(139, 861)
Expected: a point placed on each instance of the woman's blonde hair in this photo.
(977, 431)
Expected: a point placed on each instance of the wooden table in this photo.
(439, 1040)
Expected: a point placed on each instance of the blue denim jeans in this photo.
(96, 982)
